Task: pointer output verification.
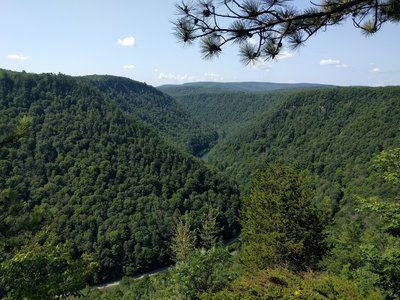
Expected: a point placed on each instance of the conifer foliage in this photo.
(262, 28)
(280, 224)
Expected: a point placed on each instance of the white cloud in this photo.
(128, 67)
(176, 77)
(333, 62)
(127, 42)
(213, 76)
(284, 55)
(376, 70)
(19, 57)
(329, 61)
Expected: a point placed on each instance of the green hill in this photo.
(332, 132)
(224, 108)
(158, 110)
(98, 175)
(252, 87)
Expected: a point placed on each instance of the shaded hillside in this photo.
(222, 109)
(101, 178)
(225, 108)
(332, 132)
(158, 110)
(252, 87)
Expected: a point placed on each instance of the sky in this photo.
(134, 39)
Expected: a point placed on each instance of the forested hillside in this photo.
(104, 166)
(97, 175)
(251, 87)
(334, 133)
(319, 170)
(158, 110)
(223, 109)
(225, 106)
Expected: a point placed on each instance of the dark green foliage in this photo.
(280, 225)
(44, 272)
(106, 181)
(332, 132)
(251, 87)
(222, 109)
(280, 284)
(21, 130)
(158, 110)
(380, 250)
(204, 271)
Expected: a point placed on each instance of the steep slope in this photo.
(225, 108)
(102, 178)
(332, 132)
(158, 110)
(252, 87)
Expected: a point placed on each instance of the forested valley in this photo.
(106, 182)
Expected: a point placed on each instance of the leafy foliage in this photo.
(157, 110)
(382, 253)
(223, 109)
(204, 271)
(21, 130)
(280, 283)
(45, 272)
(332, 132)
(107, 182)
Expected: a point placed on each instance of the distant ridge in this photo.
(242, 86)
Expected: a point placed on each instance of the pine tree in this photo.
(280, 224)
(209, 234)
(183, 240)
(261, 29)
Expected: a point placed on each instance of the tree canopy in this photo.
(280, 224)
(99, 176)
(262, 28)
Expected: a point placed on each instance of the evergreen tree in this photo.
(209, 233)
(183, 240)
(280, 224)
(22, 129)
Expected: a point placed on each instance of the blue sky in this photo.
(134, 39)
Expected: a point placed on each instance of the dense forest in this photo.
(158, 110)
(333, 133)
(99, 177)
(226, 106)
(100, 172)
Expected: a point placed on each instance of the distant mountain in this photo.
(102, 177)
(238, 86)
(157, 110)
(224, 105)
